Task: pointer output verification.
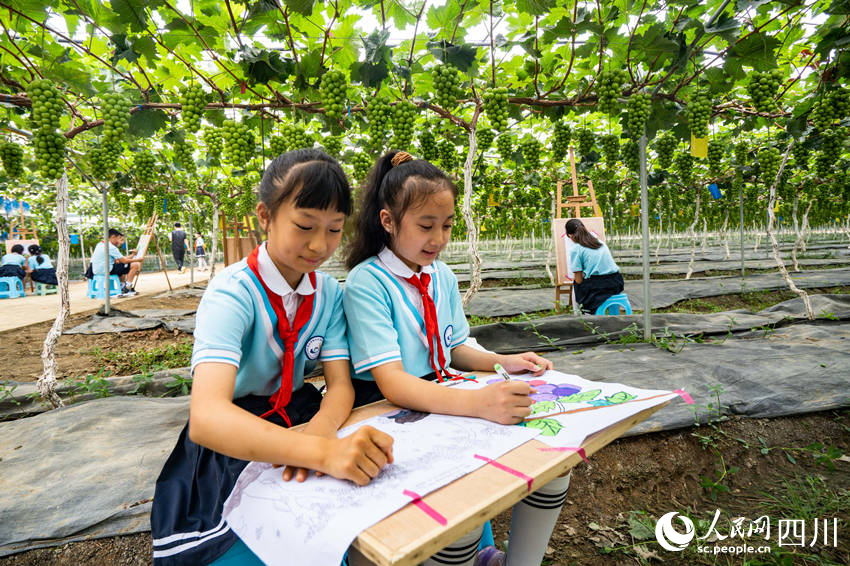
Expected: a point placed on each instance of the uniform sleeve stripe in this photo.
(459, 342)
(368, 363)
(218, 353)
(214, 359)
(336, 352)
(337, 357)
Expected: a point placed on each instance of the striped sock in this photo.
(533, 520)
(460, 553)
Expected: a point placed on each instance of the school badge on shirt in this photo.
(313, 347)
(447, 335)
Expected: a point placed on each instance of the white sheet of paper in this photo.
(142, 248)
(314, 522)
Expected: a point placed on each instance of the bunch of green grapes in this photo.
(715, 155)
(530, 148)
(637, 113)
(447, 82)
(801, 155)
(698, 112)
(192, 103)
(144, 166)
(448, 155)
(741, 151)
(664, 148)
(611, 149)
(379, 113)
(362, 165)
(505, 146)
(831, 145)
(561, 135)
(238, 142)
(738, 181)
(763, 87)
(49, 153)
(768, 164)
(609, 86)
(630, 154)
(484, 137)
(428, 144)
(46, 105)
(213, 142)
(295, 137)
(277, 145)
(12, 156)
(585, 141)
(246, 201)
(684, 165)
(332, 144)
(183, 153)
(404, 120)
(114, 108)
(332, 91)
(496, 107)
(104, 160)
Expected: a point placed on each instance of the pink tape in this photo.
(684, 395)
(578, 449)
(504, 468)
(427, 509)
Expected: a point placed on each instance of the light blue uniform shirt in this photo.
(13, 259)
(46, 264)
(385, 315)
(592, 262)
(235, 324)
(97, 258)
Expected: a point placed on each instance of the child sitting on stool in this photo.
(41, 268)
(14, 263)
(597, 276)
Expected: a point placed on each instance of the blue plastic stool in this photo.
(487, 537)
(44, 289)
(11, 288)
(614, 303)
(96, 286)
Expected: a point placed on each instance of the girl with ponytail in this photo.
(407, 330)
(597, 276)
(41, 268)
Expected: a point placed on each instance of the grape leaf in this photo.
(581, 396)
(547, 427)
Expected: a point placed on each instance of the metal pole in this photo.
(191, 252)
(106, 282)
(741, 211)
(644, 228)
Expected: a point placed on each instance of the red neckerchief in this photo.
(288, 335)
(431, 327)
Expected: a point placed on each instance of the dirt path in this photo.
(614, 501)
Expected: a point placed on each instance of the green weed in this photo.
(92, 383)
(7, 393)
(168, 356)
(180, 386)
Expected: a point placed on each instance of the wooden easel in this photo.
(576, 202)
(237, 245)
(147, 236)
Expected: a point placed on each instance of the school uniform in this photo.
(12, 265)
(98, 261)
(390, 323)
(237, 323)
(43, 272)
(602, 277)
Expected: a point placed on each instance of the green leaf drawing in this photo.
(581, 396)
(620, 397)
(543, 407)
(547, 427)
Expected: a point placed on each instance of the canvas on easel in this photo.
(595, 224)
(142, 248)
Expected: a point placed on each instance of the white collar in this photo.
(398, 267)
(275, 281)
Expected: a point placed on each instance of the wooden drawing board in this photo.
(594, 224)
(409, 536)
(142, 247)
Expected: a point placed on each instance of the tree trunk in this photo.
(704, 234)
(800, 233)
(725, 231)
(214, 243)
(471, 228)
(693, 238)
(771, 219)
(552, 246)
(47, 382)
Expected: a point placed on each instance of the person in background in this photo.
(179, 243)
(125, 267)
(200, 253)
(41, 268)
(14, 264)
(597, 276)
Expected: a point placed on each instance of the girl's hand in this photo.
(505, 403)
(527, 361)
(360, 456)
(315, 428)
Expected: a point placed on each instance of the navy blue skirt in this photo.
(186, 522)
(594, 291)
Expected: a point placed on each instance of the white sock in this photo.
(532, 521)
(460, 553)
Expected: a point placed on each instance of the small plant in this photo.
(7, 393)
(549, 341)
(95, 384)
(715, 486)
(180, 386)
(828, 315)
(142, 381)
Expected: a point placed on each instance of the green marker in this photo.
(501, 371)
